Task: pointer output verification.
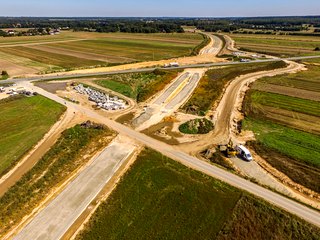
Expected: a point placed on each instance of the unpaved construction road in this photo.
(50, 224)
(56, 218)
(289, 205)
(214, 46)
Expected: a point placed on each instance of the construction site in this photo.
(219, 141)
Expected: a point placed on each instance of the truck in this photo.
(172, 64)
(244, 153)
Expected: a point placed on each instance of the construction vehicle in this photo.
(231, 151)
(228, 149)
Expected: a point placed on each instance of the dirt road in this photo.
(291, 206)
(227, 108)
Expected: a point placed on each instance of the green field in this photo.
(307, 80)
(139, 86)
(259, 99)
(58, 164)
(23, 122)
(277, 45)
(159, 198)
(83, 49)
(210, 87)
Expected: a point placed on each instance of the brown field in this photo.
(74, 50)
(278, 45)
(289, 91)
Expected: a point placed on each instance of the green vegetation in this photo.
(278, 45)
(139, 86)
(23, 122)
(72, 150)
(211, 86)
(197, 126)
(4, 75)
(159, 198)
(307, 80)
(205, 42)
(259, 99)
(292, 143)
(286, 127)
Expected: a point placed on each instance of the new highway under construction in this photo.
(58, 215)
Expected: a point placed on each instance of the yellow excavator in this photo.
(231, 151)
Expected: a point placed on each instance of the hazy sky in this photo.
(167, 8)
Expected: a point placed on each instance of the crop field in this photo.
(277, 45)
(306, 80)
(75, 50)
(139, 86)
(72, 150)
(159, 198)
(210, 87)
(293, 152)
(23, 122)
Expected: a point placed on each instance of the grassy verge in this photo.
(72, 150)
(205, 42)
(211, 86)
(159, 198)
(23, 122)
(139, 86)
(196, 126)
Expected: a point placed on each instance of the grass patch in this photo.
(277, 45)
(296, 170)
(159, 198)
(73, 149)
(211, 86)
(205, 42)
(255, 219)
(307, 80)
(139, 86)
(295, 144)
(259, 99)
(196, 126)
(23, 122)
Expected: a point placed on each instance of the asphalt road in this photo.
(205, 65)
(302, 211)
(56, 218)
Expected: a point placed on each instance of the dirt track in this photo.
(227, 111)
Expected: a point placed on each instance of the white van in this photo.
(244, 153)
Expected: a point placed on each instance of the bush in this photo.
(197, 126)
(317, 49)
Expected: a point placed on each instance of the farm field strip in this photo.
(289, 91)
(173, 194)
(23, 122)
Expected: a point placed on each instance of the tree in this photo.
(317, 49)
(4, 73)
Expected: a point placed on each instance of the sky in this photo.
(162, 8)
